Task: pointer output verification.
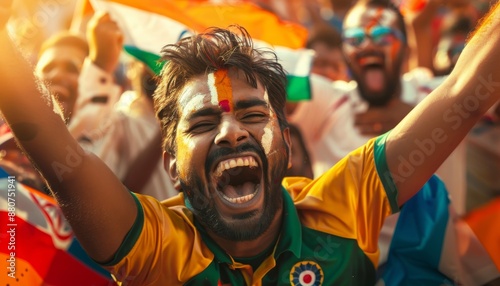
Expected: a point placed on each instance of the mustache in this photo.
(369, 54)
(226, 151)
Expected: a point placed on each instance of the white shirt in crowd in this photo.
(327, 126)
(117, 127)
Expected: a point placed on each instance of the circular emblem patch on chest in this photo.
(306, 273)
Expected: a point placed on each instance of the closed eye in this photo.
(201, 127)
(254, 117)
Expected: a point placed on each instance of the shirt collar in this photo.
(291, 229)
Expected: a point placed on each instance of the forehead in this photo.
(364, 16)
(61, 54)
(198, 92)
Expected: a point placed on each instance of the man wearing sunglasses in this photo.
(374, 48)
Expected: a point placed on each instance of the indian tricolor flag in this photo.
(149, 25)
(37, 244)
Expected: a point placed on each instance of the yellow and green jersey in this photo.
(328, 237)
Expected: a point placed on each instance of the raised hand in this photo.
(105, 41)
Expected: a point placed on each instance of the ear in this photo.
(405, 56)
(170, 165)
(288, 142)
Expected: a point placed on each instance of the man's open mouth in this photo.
(373, 72)
(371, 62)
(237, 180)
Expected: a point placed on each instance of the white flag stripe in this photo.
(143, 29)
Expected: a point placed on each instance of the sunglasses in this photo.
(379, 35)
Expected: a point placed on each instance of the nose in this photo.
(231, 132)
(368, 43)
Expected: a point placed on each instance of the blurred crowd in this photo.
(363, 82)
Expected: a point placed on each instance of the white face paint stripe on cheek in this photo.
(267, 138)
(266, 97)
(212, 88)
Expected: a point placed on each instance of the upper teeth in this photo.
(236, 162)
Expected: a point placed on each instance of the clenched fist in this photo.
(105, 41)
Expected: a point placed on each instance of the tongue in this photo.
(374, 79)
(246, 188)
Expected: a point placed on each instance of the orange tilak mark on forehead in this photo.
(224, 90)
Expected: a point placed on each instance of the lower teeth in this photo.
(240, 200)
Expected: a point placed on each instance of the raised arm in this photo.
(98, 207)
(419, 25)
(423, 140)
(97, 91)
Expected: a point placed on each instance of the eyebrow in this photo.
(215, 111)
(209, 111)
(243, 104)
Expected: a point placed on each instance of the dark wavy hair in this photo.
(204, 53)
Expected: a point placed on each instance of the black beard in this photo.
(250, 225)
(391, 85)
(378, 98)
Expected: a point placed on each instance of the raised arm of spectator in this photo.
(422, 141)
(419, 25)
(99, 208)
(97, 90)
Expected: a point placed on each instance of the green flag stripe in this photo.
(298, 88)
(150, 59)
